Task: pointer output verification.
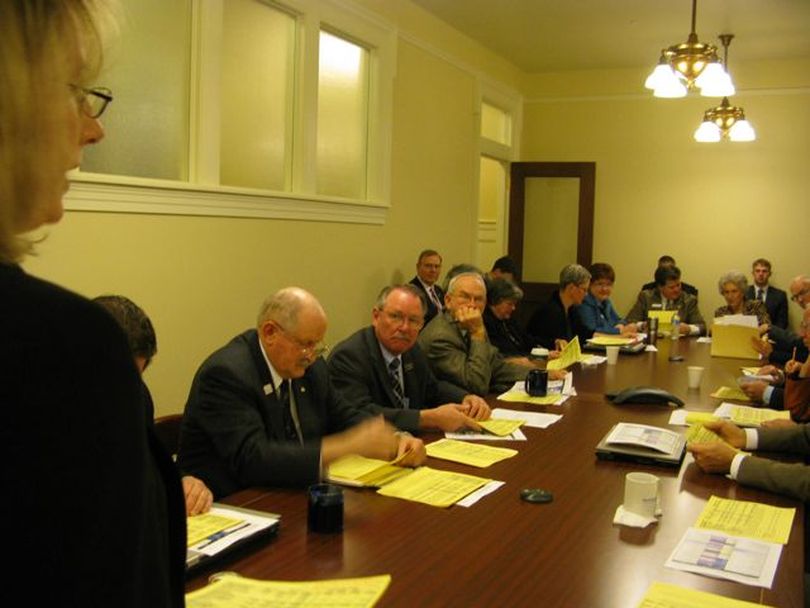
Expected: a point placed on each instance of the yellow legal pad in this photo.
(433, 487)
(664, 319)
(743, 415)
(234, 591)
(666, 595)
(693, 417)
(697, 433)
(733, 341)
(729, 392)
(473, 454)
(202, 526)
(610, 341)
(354, 470)
(501, 427)
(524, 397)
(749, 519)
(571, 354)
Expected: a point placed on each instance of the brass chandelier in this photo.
(690, 65)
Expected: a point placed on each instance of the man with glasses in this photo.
(262, 411)
(800, 291)
(381, 369)
(668, 294)
(556, 322)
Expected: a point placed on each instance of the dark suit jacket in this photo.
(779, 477)
(233, 431)
(359, 372)
(776, 302)
(690, 289)
(507, 336)
(432, 311)
(90, 497)
(550, 322)
(686, 305)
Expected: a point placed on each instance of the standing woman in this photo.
(93, 512)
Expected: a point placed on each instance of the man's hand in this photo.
(414, 450)
(728, 431)
(763, 329)
(713, 457)
(469, 318)
(627, 330)
(449, 417)
(478, 408)
(684, 329)
(754, 389)
(560, 344)
(792, 366)
(198, 496)
(762, 346)
(557, 374)
(373, 438)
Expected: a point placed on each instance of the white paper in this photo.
(534, 419)
(473, 498)
(650, 348)
(678, 418)
(743, 320)
(254, 524)
(642, 435)
(744, 560)
(724, 409)
(704, 340)
(624, 517)
(516, 435)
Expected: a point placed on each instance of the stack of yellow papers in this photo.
(473, 454)
(232, 590)
(750, 519)
(664, 320)
(695, 417)
(610, 341)
(749, 371)
(500, 426)
(354, 470)
(524, 397)
(697, 433)
(433, 487)
(729, 392)
(570, 354)
(666, 595)
(742, 415)
(202, 526)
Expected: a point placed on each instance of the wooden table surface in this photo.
(505, 552)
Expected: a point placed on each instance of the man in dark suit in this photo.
(668, 260)
(262, 411)
(381, 369)
(428, 269)
(774, 298)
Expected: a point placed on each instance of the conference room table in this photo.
(503, 551)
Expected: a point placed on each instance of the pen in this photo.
(221, 534)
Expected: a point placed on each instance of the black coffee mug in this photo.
(325, 511)
(537, 383)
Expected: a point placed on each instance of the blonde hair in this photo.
(45, 46)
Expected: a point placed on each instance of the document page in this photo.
(355, 470)
(473, 454)
(234, 591)
(534, 419)
(681, 417)
(433, 487)
(211, 533)
(644, 436)
(744, 415)
(667, 595)
(697, 433)
(572, 353)
(610, 341)
(730, 392)
(746, 518)
(501, 427)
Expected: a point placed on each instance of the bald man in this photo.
(262, 411)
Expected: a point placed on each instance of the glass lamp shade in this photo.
(714, 81)
(671, 89)
(707, 132)
(662, 76)
(742, 131)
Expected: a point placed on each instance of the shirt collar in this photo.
(387, 355)
(274, 375)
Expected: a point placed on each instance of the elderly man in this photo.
(668, 294)
(784, 345)
(775, 299)
(428, 269)
(262, 411)
(556, 322)
(456, 343)
(800, 290)
(381, 369)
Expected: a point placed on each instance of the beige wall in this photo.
(202, 279)
(713, 207)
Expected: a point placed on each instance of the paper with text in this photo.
(749, 519)
(534, 419)
(667, 595)
(500, 426)
(730, 392)
(473, 454)
(433, 487)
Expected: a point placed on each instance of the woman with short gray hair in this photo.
(732, 286)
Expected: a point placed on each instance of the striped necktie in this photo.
(290, 432)
(396, 383)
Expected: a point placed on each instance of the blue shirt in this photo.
(599, 316)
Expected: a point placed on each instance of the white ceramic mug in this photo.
(642, 494)
(612, 354)
(695, 375)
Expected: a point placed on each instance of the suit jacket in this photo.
(550, 322)
(507, 336)
(779, 477)
(785, 341)
(359, 372)
(650, 299)
(690, 289)
(93, 499)
(432, 310)
(776, 303)
(473, 364)
(233, 427)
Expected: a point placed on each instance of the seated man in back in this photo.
(504, 268)
(668, 260)
(381, 369)
(775, 299)
(456, 343)
(262, 411)
(556, 322)
(142, 342)
(428, 269)
(668, 294)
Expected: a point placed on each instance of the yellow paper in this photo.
(500, 427)
(693, 417)
(730, 392)
(666, 595)
(733, 341)
(524, 397)
(570, 354)
(433, 487)
(742, 415)
(750, 371)
(664, 319)
(697, 433)
(750, 519)
(202, 526)
(360, 471)
(473, 454)
(610, 341)
(234, 591)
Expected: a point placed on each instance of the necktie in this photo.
(284, 398)
(434, 299)
(396, 384)
(759, 295)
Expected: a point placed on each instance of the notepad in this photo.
(359, 471)
(433, 487)
(473, 454)
(664, 319)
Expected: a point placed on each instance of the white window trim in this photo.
(202, 194)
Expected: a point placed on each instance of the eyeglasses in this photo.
(399, 319)
(93, 101)
(315, 348)
(798, 296)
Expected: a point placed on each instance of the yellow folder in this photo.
(733, 341)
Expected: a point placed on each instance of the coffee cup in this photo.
(642, 494)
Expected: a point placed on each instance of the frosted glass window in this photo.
(496, 124)
(550, 227)
(258, 70)
(492, 189)
(149, 72)
(342, 133)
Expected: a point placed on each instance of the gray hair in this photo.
(284, 306)
(574, 274)
(451, 286)
(409, 289)
(732, 276)
(503, 289)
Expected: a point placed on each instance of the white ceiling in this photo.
(550, 35)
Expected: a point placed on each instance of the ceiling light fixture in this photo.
(725, 121)
(689, 65)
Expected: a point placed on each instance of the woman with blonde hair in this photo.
(91, 508)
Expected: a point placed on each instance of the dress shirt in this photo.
(275, 387)
(751, 443)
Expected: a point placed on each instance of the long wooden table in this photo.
(503, 551)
